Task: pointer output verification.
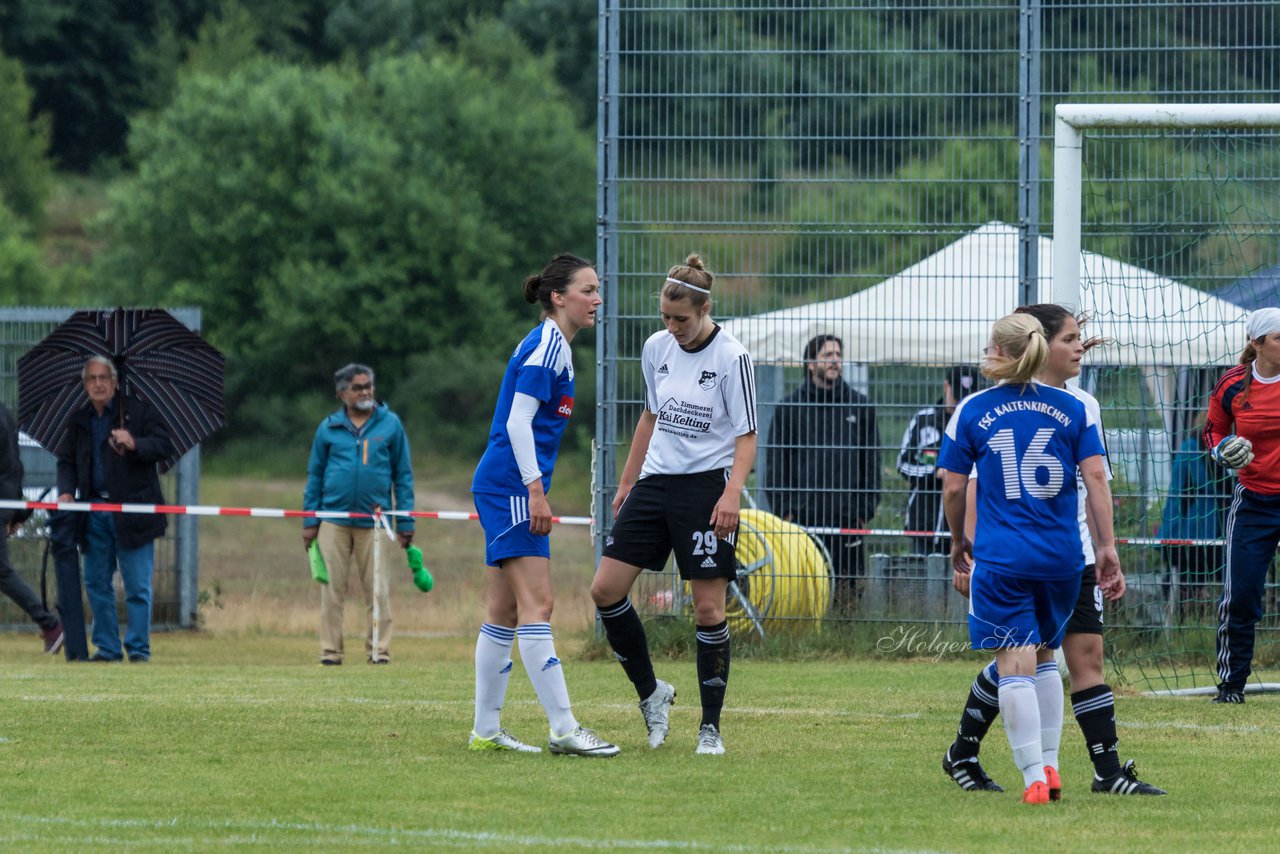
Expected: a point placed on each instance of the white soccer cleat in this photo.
(657, 711)
(581, 742)
(709, 741)
(502, 740)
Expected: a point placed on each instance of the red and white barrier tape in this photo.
(260, 512)
(457, 516)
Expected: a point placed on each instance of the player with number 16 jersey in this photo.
(1026, 441)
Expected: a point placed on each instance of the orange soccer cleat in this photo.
(1054, 783)
(1036, 793)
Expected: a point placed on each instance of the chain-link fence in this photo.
(176, 559)
(883, 172)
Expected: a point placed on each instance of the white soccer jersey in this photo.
(704, 400)
(1095, 411)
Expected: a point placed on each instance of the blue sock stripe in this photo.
(1013, 681)
(534, 630)
(992, 673)
(617, 610)
(1093, 704)
(1046, 667)
(501, 634)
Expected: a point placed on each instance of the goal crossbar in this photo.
(1072, 120)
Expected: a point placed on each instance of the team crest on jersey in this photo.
(707, 381)
(663, 369)
(565, 408)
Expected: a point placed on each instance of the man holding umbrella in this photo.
(111, 454)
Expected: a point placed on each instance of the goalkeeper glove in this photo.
(1233, 452)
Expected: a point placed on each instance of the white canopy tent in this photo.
(940, 310)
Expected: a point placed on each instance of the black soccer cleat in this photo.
(1125, 783)
(1233, 696)
(969, 774)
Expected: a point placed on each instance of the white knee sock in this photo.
(538, 652)
(1021, 713)
(1050, 698)
(493, 669)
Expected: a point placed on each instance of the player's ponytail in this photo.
(554, 279)
(1024, 350)
(690, 280)
(1247, 357)
(1053, 317)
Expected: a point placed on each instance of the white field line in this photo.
(196, 833)
(259, 700)
(763, 711)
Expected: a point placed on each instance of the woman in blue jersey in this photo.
(1027, 441)
(1091, 698)
(680, 491)
(510, 490)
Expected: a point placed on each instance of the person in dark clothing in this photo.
(107, 457)
(11, 584)
(823, 459)
(70, 596)
(918, 458)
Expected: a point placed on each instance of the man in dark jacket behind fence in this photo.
(823, 459)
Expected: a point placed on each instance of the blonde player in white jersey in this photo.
(680, 491)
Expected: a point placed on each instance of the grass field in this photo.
(231, 740)
(233, 737)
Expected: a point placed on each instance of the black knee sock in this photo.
(713, 670)
(980, 712)
(625, 633)
(1095, 711)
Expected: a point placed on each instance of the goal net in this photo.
(1167, 224)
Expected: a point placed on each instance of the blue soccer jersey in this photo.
(1026, 442)
(541, 367)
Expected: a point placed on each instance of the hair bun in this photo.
(695, 261)
(531, 285)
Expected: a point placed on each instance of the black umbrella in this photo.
(157, 358)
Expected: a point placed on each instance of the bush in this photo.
(325, 215)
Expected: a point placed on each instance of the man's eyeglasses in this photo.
(359, 387)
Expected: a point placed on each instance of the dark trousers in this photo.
(848, 563)
(66, 567)
(1252, 533)
(12, 585)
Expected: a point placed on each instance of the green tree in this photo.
(320, 215)
(25, 172)
(92, 65)
(24, 276)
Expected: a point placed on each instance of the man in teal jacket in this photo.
(359, 461)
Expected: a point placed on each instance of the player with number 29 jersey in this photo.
(1026, 441)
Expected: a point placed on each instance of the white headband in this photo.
(1262, 322)
(689, 286)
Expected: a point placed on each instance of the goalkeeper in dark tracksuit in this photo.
(1242, 433)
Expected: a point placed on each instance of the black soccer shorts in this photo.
(1086, 619)
(672, 512)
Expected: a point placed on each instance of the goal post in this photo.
(1070, 123)
(1184, 200)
